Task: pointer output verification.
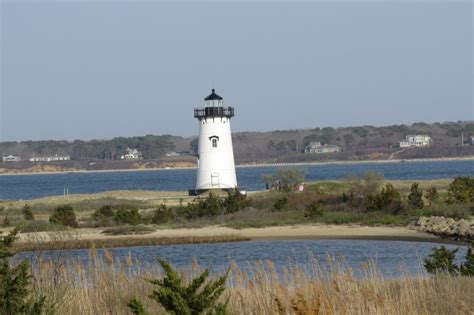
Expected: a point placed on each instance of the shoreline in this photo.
(86, 238)
(441, 159)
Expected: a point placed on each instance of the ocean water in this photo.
(392, 258)
(13, 187)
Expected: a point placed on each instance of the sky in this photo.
(101, 69)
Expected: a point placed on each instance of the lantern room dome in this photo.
(213, 96)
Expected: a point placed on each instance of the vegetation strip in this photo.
(124, 242)
(368, 201)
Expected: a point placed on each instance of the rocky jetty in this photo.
(446, 227)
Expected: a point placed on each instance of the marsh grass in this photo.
(104, 285)
(42, 226)
(129, 230)
(64, 240)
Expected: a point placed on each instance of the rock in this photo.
(422, 221)
(461, 229)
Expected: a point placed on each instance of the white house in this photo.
(11, 158)
(51, 158)
(132, 154)
(416, 141)
(316, 147)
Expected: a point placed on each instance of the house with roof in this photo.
(416, 141)
(131, 154)
(50, 158)
(11, 158)
(317, 147)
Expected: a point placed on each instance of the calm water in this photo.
(34, 186)
(393, 258)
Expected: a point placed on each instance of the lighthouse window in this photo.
(214, 143)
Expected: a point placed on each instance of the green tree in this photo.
(359, 190)
(128, 216)
(27, 213)
(280, 204)
(210, 206)
(431, 195)
(388, 200)
(104, 216)
(461, 190)
(314, 210)
(64, 215)
(162, 215)
(199, 297)
(441, 260)
(104, 212)
(235, 201)
(415, 198)
(15, 282)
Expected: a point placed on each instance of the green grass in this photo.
(330, 187)
(454, 211)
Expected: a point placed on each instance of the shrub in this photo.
(128, 230)
(359, 190)
(441, 260)
(6, 221)
(15, 282)
(388, 200)
(27, 213)
(235, 201)
(281, 204)
(104, 212)
(314, 210)
(454, 211)
(199, 297)
(461, 190)
(207, 207)
(64, 215)
(128, 216)
(431, 195)
(42, 226)
(415, 198)
(162, 214)
(104, 216)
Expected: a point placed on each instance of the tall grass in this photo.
(104, 285)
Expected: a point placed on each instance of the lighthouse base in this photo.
(197, 192)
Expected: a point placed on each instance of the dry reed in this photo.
(104, 285)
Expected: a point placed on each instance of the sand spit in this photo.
(84, 238)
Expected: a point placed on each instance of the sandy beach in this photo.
(222, 234)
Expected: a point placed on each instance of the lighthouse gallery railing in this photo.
(214, 112)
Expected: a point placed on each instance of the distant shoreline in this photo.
(467, 158)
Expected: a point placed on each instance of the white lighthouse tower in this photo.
(216, 168)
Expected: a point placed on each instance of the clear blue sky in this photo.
(86, 69)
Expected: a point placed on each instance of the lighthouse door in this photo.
(215, 179)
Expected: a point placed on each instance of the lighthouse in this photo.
(216, 168)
